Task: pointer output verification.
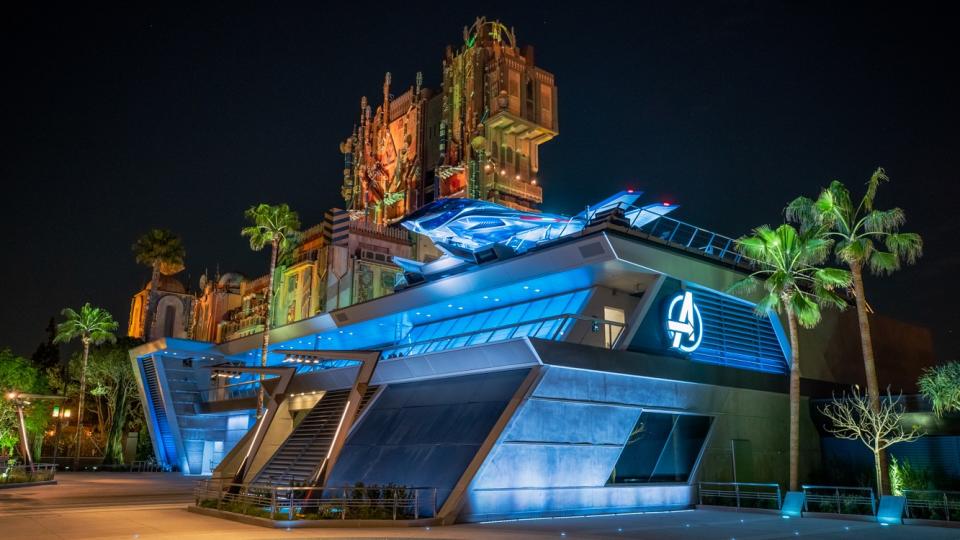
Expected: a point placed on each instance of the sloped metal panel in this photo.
(425, 433)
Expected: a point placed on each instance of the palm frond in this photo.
(803, 212)
(832, 278)
(878, 176)
(883, 262)
(908, 247)
(882, 221)
(805, 308)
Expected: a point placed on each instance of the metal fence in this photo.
(317, 502)
(839, 499)
(741, 494)
(21, 474)
(931, 504)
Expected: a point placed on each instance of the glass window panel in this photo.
(482, 337)
(461, 325)
(496, 318)
(662, 447)
(547, 329)
(682, 449)
(536, 310)
(643, 448)
(514, 314)
(557, 305)
(502, 334)
(523, 330)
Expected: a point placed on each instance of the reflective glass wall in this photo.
(663, 447)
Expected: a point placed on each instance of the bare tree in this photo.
(853, 418)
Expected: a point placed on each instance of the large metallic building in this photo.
(601, 370)
(521, 363)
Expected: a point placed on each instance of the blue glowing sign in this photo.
(684, 323)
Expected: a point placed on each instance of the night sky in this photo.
(117, 121)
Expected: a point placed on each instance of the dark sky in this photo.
(157, 115)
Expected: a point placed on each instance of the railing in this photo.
(682, 235)
(316, 502)
(519, 189)
(839, 499)
(393, 233)
(751, 495)
(233, 391)
(940, 505)
(22, 474)
(549, 328)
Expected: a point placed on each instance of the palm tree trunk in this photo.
(869, 363)
(266, 324)
(149, 319)
(113, 453)
(794, 401)
(83, 390)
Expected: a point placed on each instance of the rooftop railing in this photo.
(679, 234)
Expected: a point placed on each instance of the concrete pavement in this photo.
(115, 506)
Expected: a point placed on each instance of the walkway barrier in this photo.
(317, 502)
(931, 504)
(24, 474)
(741, 494)
(839, 500)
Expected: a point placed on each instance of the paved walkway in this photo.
(126, 506)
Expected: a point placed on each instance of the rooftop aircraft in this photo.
(470, 231)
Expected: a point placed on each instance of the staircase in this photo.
(297, 460)
(152, 386)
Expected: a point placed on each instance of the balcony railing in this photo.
(524, 190)
(599, 332)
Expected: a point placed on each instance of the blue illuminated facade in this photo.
(545, 366)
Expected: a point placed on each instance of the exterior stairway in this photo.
(297, 460)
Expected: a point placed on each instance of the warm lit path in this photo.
(150, 507)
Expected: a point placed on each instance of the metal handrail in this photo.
(738, 493)
(682, 235)
(302, 502)
(835, 497)
(38, 472)
(406, 348)
(935, 499)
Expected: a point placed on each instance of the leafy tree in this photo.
(786, 266)
(941, 386)
(163, 252)
(855, 418)
(865, 238)
(17, 374)
(277, 227)
(93, 326)
(111, 376)
(47, 354)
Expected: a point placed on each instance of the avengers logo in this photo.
(684, 324)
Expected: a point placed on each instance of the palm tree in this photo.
(864, 238)
(278, 227)
(163, 252)
(786, 265)
(93, 326)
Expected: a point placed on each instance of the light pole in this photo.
(20, 401)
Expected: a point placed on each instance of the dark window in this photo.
(169, 318)
(662, 447)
